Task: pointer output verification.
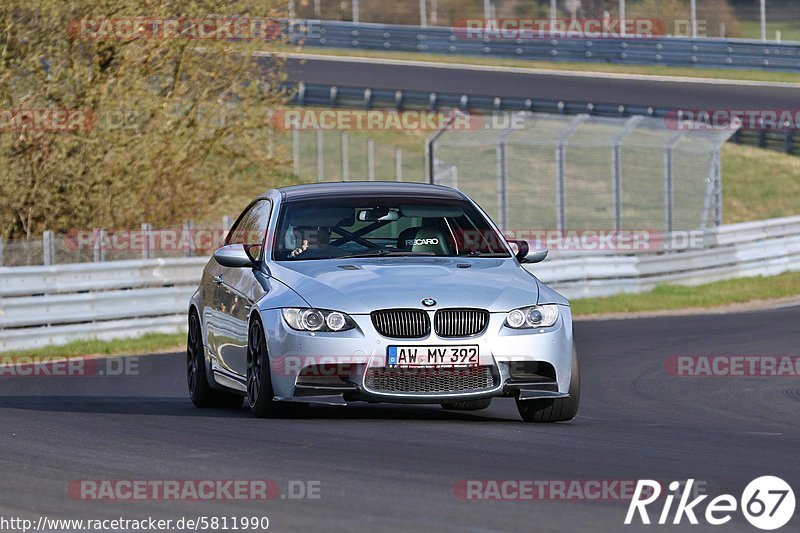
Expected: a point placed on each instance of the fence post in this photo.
(345, 157)
(616, 164)
(188, 238)
(398, 163)
(100, 245)
(502, 195)
(668, 188)
(561, 180)
(147, 237)
(718, 188)
(370, 160)
(48, 248)
(560, 189)
(227, 222)
(270, 135)
(320, 157)
(295, 152)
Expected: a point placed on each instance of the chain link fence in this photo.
(556, 172)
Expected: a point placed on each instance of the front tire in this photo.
(200, 391)
(260, 397)
(556, 409)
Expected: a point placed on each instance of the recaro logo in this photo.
(421, 242)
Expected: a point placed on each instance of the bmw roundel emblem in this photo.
(428, 302)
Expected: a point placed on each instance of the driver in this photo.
(302, 238)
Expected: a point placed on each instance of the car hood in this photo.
(359, 286)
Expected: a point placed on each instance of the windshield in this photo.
(341, 227)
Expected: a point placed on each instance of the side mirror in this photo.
(529, 251)
(234, 256)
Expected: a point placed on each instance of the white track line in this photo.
(524, 70)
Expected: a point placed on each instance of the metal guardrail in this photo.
(370, 98)
(668, 51)
(53, 305)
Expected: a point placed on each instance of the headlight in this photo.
(317, 320)
(535, 316)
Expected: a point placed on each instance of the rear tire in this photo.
(556, 409)
(468, 405)
(200, 391)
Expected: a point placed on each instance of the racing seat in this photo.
(424, 239)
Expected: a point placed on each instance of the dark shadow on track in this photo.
(132, 405)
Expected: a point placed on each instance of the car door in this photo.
(237, 289)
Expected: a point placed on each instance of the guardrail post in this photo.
(2, 249)
(370, 160)
(398, 163)
(345, 157)
(789, 146)
(48, 248)
(147, 241)
(99, 245)
(356, 9)
(320, 157)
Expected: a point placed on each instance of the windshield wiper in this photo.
(384, 252)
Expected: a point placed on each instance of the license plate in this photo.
(412, 356)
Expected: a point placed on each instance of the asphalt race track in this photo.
(683, 94)
(394, 467)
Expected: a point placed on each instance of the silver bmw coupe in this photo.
(377, 292)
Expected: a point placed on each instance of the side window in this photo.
(251, 226)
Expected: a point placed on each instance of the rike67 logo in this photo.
(767, 502)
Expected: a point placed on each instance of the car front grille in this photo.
(402, 323)
(460, 322)
(430, 380)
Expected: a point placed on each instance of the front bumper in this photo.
(334, 368)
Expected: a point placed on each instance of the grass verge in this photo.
(146, 344)
(758, 184)
(688, 72)
(674, 297)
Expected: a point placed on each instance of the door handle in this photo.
(217, 279)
